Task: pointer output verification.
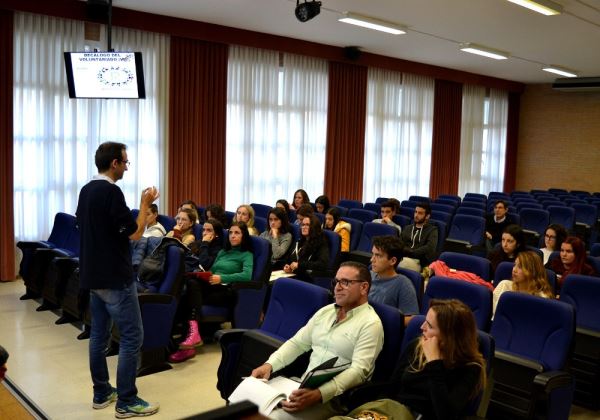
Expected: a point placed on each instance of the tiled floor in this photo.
(50, 366)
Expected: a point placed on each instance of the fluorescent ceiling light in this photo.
(561, 71)
(545, 7)
(372, 23)
(484, 51)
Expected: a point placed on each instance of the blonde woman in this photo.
(245, 213)
(528, 276)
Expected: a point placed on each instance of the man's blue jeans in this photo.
(122, 308)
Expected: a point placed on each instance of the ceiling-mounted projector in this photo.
(307, 10)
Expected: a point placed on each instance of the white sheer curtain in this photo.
(399, 135)
(483, 140)
(276, 125)
(55, 137)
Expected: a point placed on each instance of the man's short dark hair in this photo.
(391, 245)
(392, 204)
(3, 356)
(106, 153)
(153, 208)
(363, 271)
(504, 203)
(425, 206)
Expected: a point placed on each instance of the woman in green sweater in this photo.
(234, 263)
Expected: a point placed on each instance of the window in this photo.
(55, 137)
(399, 135)
(276, 125)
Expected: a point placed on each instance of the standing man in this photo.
(349, 329)
(106, 226)
(419, 239)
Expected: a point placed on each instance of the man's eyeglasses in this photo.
(344, 283)
(126, 162)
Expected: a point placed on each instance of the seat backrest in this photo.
(503, 272)
(467, 228)
(442, 231)
(291, 305)
(475, 196)
(62, 228)
(260, 223)
(535, 219)
(370, 230)
(409, 204)
(376, 207)
(419, 199)
(442, 207)
(595, 250)
(350, 204)
(562, 215)
(473, 211)
(449, 197)
(585, 213)
(392, 321)
(72, 242)
(476, 297)
(171, 282)
(583, 292)
(355, 233)
(334, 244)
(417, 281)
(362, 215)
(343, 210)
(402, 220)
(380, 200)
(442, 216)
(261, 210)
(261, 248)
(536, 328)
(471, 263)
(168, 222)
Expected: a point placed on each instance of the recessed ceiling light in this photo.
(483, 51)
(561, 71)
(372, 23)
(545, 7)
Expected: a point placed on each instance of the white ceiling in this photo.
(436, 27)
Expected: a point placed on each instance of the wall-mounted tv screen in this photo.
(105, 75)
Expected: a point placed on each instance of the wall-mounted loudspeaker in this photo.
(97, 10)
(352, 53)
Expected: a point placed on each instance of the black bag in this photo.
(151, 270)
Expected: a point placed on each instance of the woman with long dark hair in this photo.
(234, 263)
(310, 252)
(300, 197)
(512, 243)
(554, 236)
(279, 235)
(571, 260)
(334, 222)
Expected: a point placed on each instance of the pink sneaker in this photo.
(193, 338)
(182, 355)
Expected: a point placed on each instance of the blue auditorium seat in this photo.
(466, 234)
(362, 215)
(471, 263)
(350, 204)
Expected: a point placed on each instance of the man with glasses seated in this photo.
(348, 329)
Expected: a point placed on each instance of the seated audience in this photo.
(322, 204)
(387, 286)
(419, 239)
(439, 373)
(348, 329)
(208, 248)
(389, 209)
(300, 197)
(234, 263)
(334, 222)
(310, 252)
(554, 236)
(279, 236)
(284, 205)
(186, 219)
(305, 210)
(513, 242)
(153, 227)
(216, 211)
(190, 204)
(572, 260)
(528, 276)
(496, 223)
(245, 213)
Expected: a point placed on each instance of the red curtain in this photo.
(346, 112)
(7, 230)
(197, 112)
(445, 148)
(512, 140)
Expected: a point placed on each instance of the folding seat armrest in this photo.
(66, 263)
(521, 361)
(586, 331)
(546, 382)
(360, 256)
(34, 244)
(531, 232)
(155, 298)
(50, 253)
